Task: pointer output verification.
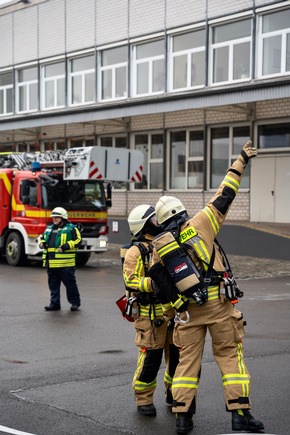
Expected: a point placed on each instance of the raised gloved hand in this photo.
(248, 152)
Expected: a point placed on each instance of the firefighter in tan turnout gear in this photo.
(192, 258)
(153, 321)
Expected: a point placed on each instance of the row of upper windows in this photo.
(230, 58)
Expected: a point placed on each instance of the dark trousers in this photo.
(65, 275)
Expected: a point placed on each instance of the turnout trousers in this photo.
(65, 275)
(226, 327)
(152, 341)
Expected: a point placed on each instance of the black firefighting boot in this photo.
(184, 423)
(242, 419)
(168, 397)
(148, 410)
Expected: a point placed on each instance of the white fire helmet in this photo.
(139, 216)
(59, 212)
(167, 207)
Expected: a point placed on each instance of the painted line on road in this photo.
(13, 431)
(268, 231)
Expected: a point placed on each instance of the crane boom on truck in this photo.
(79, 180)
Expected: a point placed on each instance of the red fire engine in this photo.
(79, 180)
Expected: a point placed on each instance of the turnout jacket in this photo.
(68, 238)
(201, 230)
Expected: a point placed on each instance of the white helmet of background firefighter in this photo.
(59, 212)
(139, 220)
(168, 207)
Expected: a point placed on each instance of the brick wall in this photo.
(124, 202)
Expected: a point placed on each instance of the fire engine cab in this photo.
(79, 180)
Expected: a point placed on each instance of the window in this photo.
(186, 159)
(225, 146)
(82, 80)
(6, 93)
(231, 52)
(113, 141)
(274, 136)
(187, 61)
(27, 90)
(33, 147)
(113, 73)
(274, 43)
(148, 68)
(151, 146)
(53, 85)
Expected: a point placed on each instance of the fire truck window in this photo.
(87, 195)
(28, 192)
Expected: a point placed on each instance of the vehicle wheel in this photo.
(14, 250)
(82, 258)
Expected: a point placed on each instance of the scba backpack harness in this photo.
(129, 305)
(180, 278)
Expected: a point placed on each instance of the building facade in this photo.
(188, 82)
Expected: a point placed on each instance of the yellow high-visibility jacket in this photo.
(68, 238)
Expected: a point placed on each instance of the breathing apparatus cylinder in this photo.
(181, 268)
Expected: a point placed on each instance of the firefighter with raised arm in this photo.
(153, 321)
(193, 261)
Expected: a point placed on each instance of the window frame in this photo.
(231, 155)
(150, 160)
(188, 52)
(270, 122)
(230, 44)
(55, 80)
(5, 89)
(150, 61)
(188, 159)
(82, 74)
(26, 85)
(113, 67)
(260, 41)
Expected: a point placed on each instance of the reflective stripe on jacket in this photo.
(68, 238)
(136, 281)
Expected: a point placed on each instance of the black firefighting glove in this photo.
(248, 152)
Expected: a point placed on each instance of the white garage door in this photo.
(270, 189)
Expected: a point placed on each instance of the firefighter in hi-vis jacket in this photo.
(205, 300)
(153, 321)
(59, 243)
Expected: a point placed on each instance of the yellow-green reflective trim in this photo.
(140, 362)
(168, 248)
(146, 312)
(167, 378)
(141, 386)
(212, 219)
(232, 183)
(202, 252)
(185, 383)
